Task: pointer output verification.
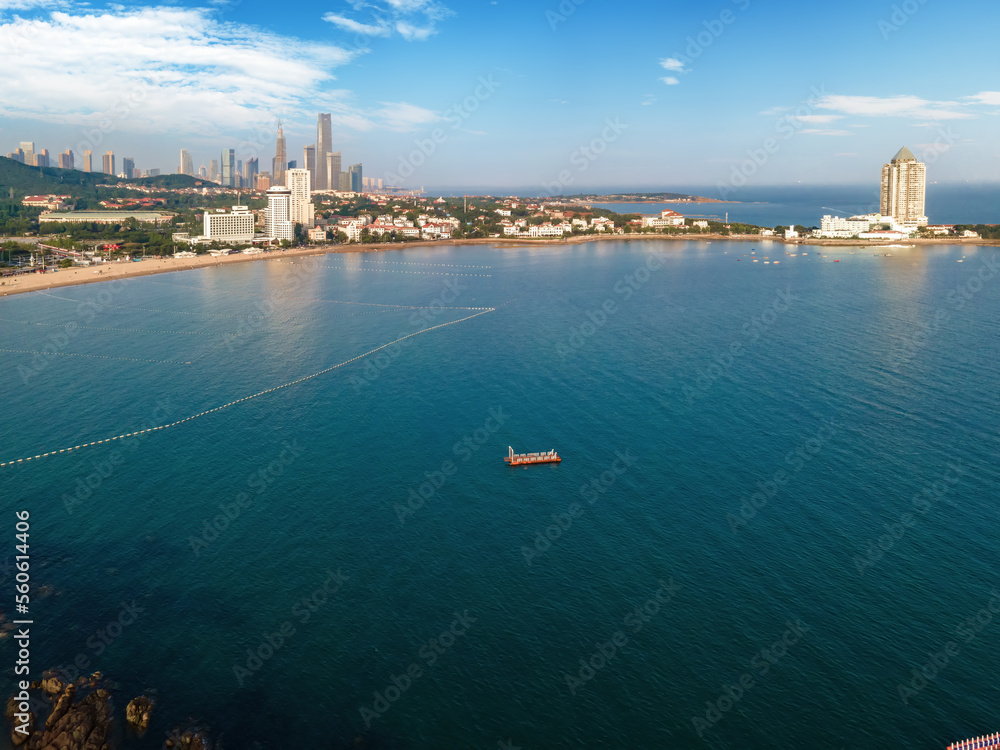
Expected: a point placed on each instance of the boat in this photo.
(523, 459)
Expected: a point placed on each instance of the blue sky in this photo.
(559, 97)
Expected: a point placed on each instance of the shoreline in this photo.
(110, 271)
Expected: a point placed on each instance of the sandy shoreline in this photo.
(110, 271)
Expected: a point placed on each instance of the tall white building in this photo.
(277, 216)
(301, 208)
(236, 226)
(904, 182)
(187, 164)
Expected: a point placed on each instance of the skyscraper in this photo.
(280, 158)
(333, 170)
(250, 171)
(301, 209)
(228, 167)
(324, 145)
(904, 182)
(309, 161)
(213, 170)
(128, 167)
(186, 165)
(28, 147)
(88, 161)
(66, 159)
(109, 162)
(42, 158)
(277, 222)
(356, 182)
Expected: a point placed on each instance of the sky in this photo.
(558, 97)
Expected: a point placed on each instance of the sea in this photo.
(772, 206)
(286, 514)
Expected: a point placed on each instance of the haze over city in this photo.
(510, 94)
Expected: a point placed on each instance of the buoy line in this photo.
(245, 398)
(97, 356)
(400, 270)
(317, 299)
(442, 265)
(99, 328)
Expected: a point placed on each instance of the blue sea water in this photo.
(676, 379)
(947, 203)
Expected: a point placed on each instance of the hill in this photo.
(24, 180)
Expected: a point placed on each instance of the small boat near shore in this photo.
(523, 459)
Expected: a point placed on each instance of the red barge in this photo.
(523, 459)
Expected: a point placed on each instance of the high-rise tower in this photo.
(187, 164)
(324, 145)
(280, 158)
(228, 167)
(301, 209)
(109, 162)
(277, 215)
(904, 184)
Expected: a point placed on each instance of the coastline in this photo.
(110, 271)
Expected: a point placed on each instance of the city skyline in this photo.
(423, 95)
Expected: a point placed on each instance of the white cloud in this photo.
(31, 4)
(817, 119)
(404, 117)
(413, 20)
(670, 80)
(820, 131)
(911, 107)
(672, 63)
(162, 69)
(991, 98)
(348, 24)
(648, 100)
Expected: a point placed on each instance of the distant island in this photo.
(641, 198)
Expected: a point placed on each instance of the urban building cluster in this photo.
(26, 154)
(901, 207)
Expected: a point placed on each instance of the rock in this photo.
(52, 686)
(194, 738)
(137, 714)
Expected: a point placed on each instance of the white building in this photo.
(667, 218)
(860, 226)
(904, 181)
(277, 216)
(235, 226)
(301, 208)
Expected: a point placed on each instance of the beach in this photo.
(34, 282)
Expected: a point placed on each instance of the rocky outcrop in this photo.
(188, 739)
(137, 714)
(81, 717)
